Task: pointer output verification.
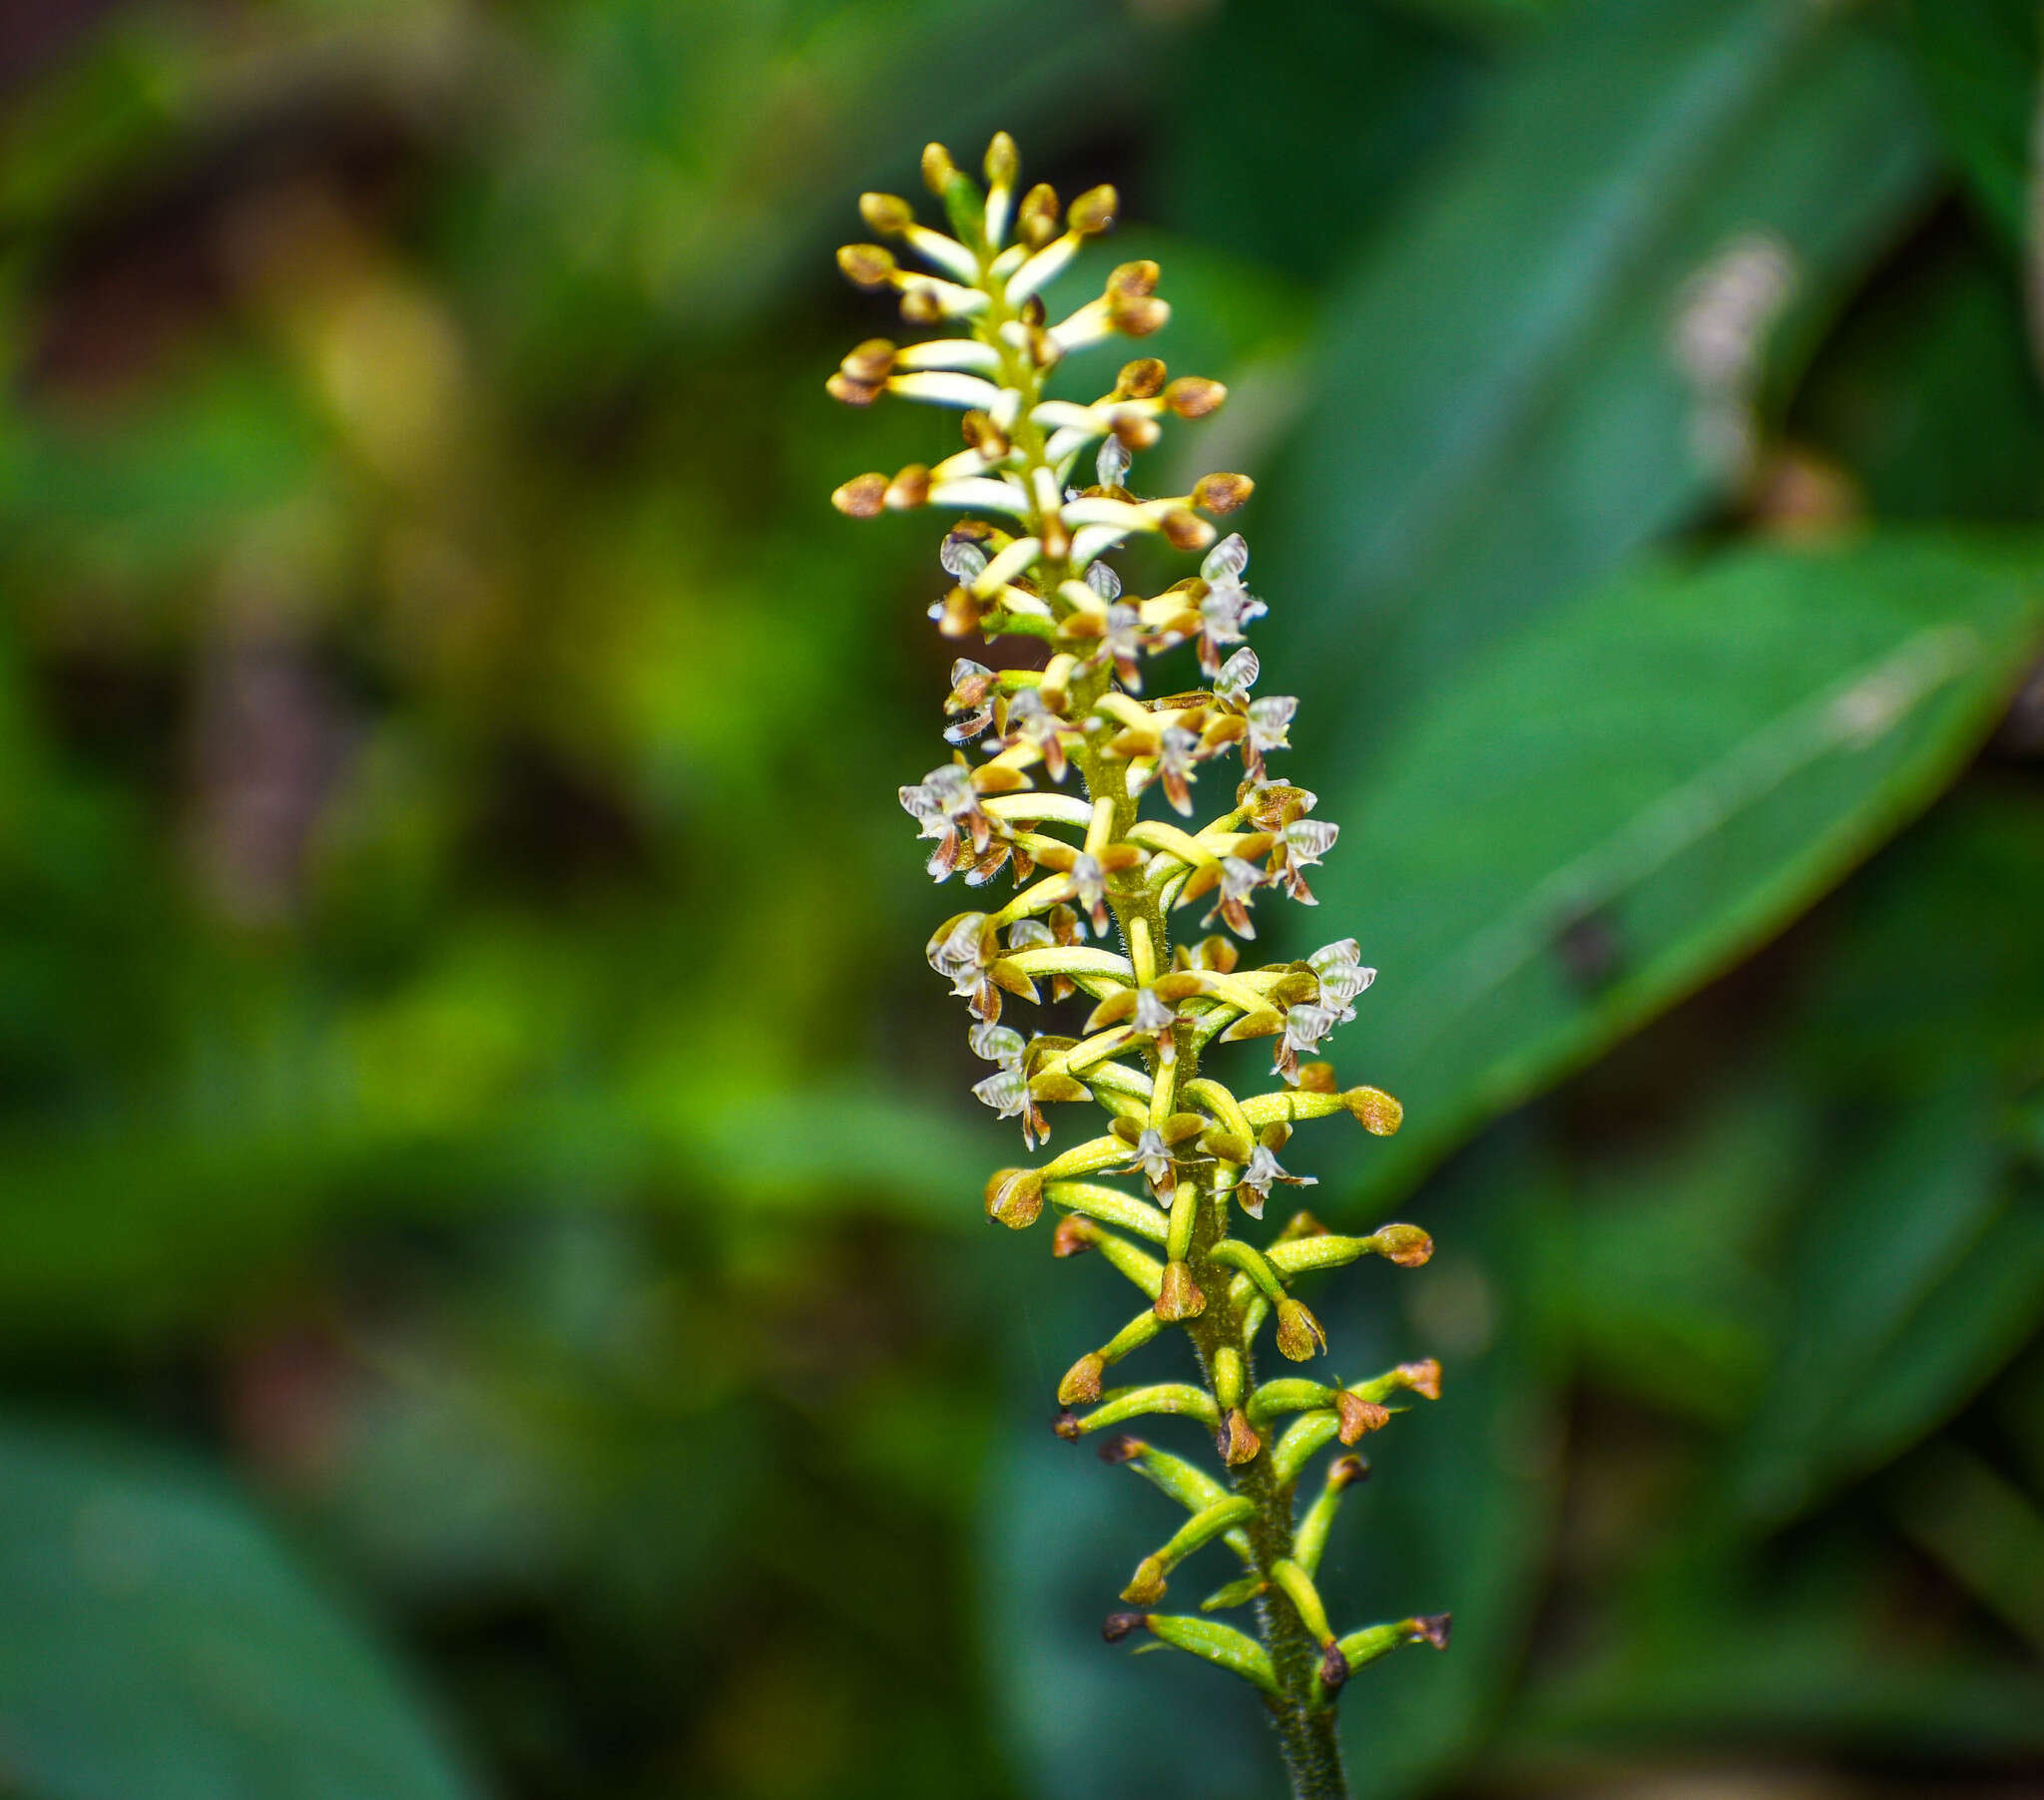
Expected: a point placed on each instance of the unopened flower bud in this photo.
(910, 488)
(1333, 1668)
(1406, 1245)
(1237, 1438)
(1036, 220)
(1003, 162)
(1119, 1624)
(887, 214)
(1178, 1297)
(1222, 493)
(1094, 211)
(1358, 1418)
(1194, 397)
(1066, 1425)
(1423, 1378)
(1146, 1586)
(1141, 379)
(1134, 280)
(1121, 1448)
(1300, 1224)
(1380, 1114)
(863, 497)
(1300, 1336)
(868, 265)
(1081, 1387)
(938, 169)
(1014, 1197)
(870, 362)
(842, 386)
(1073, 1236)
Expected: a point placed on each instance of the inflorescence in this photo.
(1067, 751)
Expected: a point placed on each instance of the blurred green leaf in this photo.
(158, 1642)
(1626, 799)
(1525, 380)
(1917, 1276)
(1980, 61)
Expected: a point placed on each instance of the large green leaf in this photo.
(158, 1642)
(1625, 800)
(1503, 404)
(1980, 61)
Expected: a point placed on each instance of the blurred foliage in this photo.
(489, 1301)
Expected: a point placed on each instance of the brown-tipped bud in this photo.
(1119, 1624)
(1180, 1296)
(1194, 397)
(1345, 1472)
(938, 169)
(863, 497)
(1219, 954)
(1406, 1245)
(1185, 530)
(1333, 1668)
(984, 435)
(920, 306)
(1357, 1417)
(1222, 493)
(961, 614)
(1139, 316)
(1066, 1425)
(1423, 1378)
(1141, 379)
(1132, 280)
(1014, 1197)
(1124, 1449)
(1316, 1077)
(910, 488)
(870, 362)
(1137, 432)
(1434, 1629)
(1146, 1586)
(1379, 1113)
(1003, 161)
(1036, 219)
(1298, 1333)
(1073, 1238)
(887, 214)
(842, 386)
(866, 265)
(1081, 1387)
(1300, 1224)
(1237, 1438)
(1094, 211)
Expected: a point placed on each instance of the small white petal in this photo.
(944, 387)
(982, 492)
(1005, 567)
(1227, 560)
(1042, 268)
(944, 253)
(949, 353)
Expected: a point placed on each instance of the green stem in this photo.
(1305, 1731)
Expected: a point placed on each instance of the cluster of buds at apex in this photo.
(1066, 780)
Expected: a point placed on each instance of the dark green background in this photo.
(493, 1295)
